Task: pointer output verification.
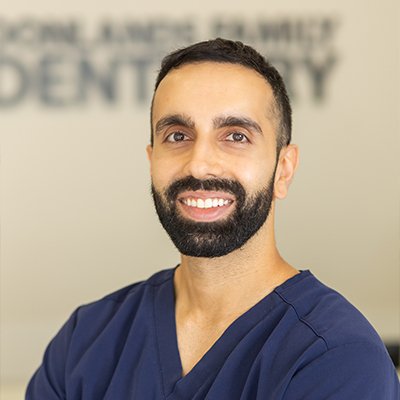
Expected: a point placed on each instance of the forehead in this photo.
(203, 90)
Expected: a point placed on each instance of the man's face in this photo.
(214, 156)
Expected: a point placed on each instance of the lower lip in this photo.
(205, 214)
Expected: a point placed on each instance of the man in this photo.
(233, 320)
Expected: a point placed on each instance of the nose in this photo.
(204, 160)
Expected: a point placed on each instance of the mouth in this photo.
(205, 206)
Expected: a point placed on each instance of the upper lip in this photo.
(206, 194)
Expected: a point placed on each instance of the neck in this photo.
(218, 289)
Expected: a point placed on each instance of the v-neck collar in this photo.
(174, 385)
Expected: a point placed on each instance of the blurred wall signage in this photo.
(65, 63)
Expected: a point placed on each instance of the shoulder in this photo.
(353, 363)
(137, 288)
(110, 317)
(95, 328)
(327, 313)
(127, 298)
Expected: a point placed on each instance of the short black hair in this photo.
(234, 52)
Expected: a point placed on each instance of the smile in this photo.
(205, 203)
(206, 206)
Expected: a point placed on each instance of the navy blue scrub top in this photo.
(302, 341)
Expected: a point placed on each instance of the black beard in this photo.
(213, 239)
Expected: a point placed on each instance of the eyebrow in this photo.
(218, 122)
(244, 122)
(174, 119)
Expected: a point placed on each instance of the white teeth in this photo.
(207, 203)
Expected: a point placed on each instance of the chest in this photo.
(194, 341)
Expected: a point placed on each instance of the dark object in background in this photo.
(393, 349)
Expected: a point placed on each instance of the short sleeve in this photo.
(48, 382)
(352, 371)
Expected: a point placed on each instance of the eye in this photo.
(237, 137)
(176, 137)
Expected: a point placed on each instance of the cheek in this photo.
(255, 174)
(163, 172)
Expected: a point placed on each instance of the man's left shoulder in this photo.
(354, 363)
(328, 313)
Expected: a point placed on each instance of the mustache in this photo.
(218, 184)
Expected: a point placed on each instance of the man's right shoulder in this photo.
(94, 331)
(120, 295)
(127, 298)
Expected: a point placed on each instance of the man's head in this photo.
(227, 51)
(218, 157)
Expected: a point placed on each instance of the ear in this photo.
(149, 151)
(287, 165)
